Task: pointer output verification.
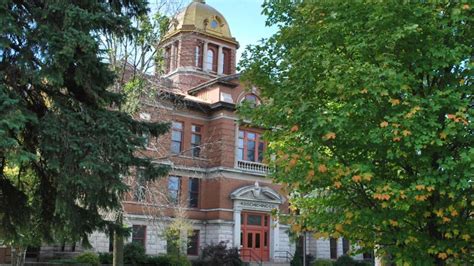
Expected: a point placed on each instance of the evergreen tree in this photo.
(371, 109)
(64, 146)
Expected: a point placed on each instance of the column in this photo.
(237, 228)
(205, 66)
(220, 61)
(275, 238)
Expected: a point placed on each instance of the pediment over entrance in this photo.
(257, 193)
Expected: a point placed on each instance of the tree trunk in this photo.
(118, 246)
(18, 256)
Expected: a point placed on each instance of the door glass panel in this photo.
(249, 240)
(265, 221)
(241, 238)
(265, 239)
(257, 240)
(254, 220)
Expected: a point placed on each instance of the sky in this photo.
(247, 24)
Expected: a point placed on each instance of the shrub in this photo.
(63, 261)
(134, 254)
(219, 255)
(106, 258)
(88, 258)
(322, 262)
(349, 261)
(168, 260)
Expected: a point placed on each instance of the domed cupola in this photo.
(202, 18)
(198, 46)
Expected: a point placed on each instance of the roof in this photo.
(202, 18)
(226, 80)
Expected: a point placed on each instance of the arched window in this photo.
(167, 58)
(209, 59)
(252, 99)
(226, 61)
(198, 57)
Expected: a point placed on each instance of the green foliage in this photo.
(168, 260)
(134, 254)
(88, 258)
(370, 106)
(346, 260)
(219, 254)
(64, 149)
(322, 262)
(106, 258)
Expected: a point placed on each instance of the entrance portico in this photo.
(256, 233)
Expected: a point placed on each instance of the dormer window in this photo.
(214, 24)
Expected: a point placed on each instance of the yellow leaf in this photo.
(448, 235)
(367, 176)
(442, 255)
(330, 135)
(420, 187)
(393, 222)
(294, 128)
(394, 102)
(406, 133)
(465, 7)
(339, 227)
(454, 213)
(446, 219)
(396, 139)
(322, 168)
(439, 212)
(364, 91)
(466, 237)
(384, 124)
(337, 184)
(357, 178)
(443, 135)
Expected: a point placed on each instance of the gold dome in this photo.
(202, 18)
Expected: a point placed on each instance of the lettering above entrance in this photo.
(257, 196)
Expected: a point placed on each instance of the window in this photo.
(111, 241)
(174, 184)
(198, 57)
(226, 56)
(140, 186)
(251, 99)
(146, 138)
(250, 146)
(345, 245)
(176, 137)
(167, 59)
(333, 247)
(196, 140)
(138, 234)
(210, 60)
(254, 219)
(193, 243)
(368, 255)
(193, 192)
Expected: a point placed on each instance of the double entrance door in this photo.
(255, 236)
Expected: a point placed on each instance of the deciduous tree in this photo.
(371, 109)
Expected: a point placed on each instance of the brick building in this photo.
(218, 178)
